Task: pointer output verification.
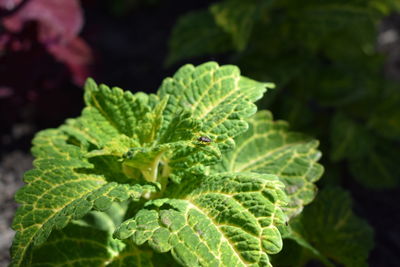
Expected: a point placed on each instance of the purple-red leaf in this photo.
(59, 20)
(58, 25)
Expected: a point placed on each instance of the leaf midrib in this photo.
(193, 206)
(29, 241)
(257, 160)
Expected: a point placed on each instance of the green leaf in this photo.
(329, 230)
(268, 147)
(227, 219)
(196, 34)
(379, 168)
(385, 119)
(176, 152)
(291, 255)
(113, 112)
(77, 245)
(236, 17)
(315, 25)
(135, 256)
(217, 96)
(89, 242)
(205, 101)
(348, 139)
(63, 186)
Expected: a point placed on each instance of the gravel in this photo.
(12, 167)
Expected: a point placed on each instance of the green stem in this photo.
(164, 178)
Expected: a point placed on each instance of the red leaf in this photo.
(59, 23)
(59, 20)
(77, 55)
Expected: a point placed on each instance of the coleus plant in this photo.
(193, 170)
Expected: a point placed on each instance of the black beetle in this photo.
(204, 139)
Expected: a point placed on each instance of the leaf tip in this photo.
(270, 85)
(90, 84)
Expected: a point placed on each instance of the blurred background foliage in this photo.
(336, 65)
(323, 56)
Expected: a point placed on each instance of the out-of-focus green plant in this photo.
(329, 75)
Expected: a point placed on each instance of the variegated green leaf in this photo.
(268, 147)
(218, 100)
(331, 232)
(207, 100)
(135, 115)
(115, 115)
(89, 242)
(221, 220)
(217, 96)
(78, 245)
(63, 186)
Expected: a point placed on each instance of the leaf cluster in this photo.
(192, 175)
